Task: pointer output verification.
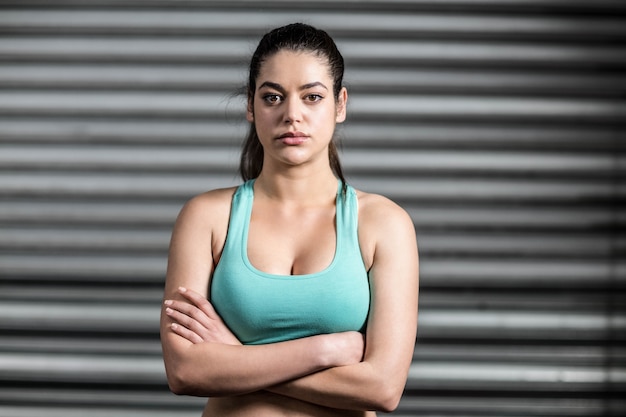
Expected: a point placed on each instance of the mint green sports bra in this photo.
(262, 308)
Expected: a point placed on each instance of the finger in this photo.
(217, 334)
(209, 330)
(199, 301)
(186, 333)
(186, 321)
(189, 310)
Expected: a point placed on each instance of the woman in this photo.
(293, 294)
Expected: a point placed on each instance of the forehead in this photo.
(299, 68)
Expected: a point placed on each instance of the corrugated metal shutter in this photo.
(499, 125)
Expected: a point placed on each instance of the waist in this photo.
(266, 404)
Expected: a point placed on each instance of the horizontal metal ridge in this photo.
(218, 158)
(411, 188)
(377, 52)
(531, 6)
(126, 370)
(362, 106)
(106, 411)
(231, 79)
(127, 238)
(243, 22)
(355, 134)
(440, 272)
(428, 217)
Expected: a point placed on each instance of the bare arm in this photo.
(223, 366)
(379, 380)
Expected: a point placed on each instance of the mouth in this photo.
(293, 135)
(293, 138)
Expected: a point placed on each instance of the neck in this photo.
(300, 189)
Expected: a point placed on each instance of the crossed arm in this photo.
(342, 370)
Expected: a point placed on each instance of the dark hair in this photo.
(297, 37)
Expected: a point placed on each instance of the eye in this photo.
(313, 97)
(271, 98)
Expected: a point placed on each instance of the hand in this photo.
(197, 321)
(346, 348)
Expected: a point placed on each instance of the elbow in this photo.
(177, 387)
(388, 400)
(178, 382)
(183, 380)
(387, 396)
(183, 376)
(181, 383)
(391, 404)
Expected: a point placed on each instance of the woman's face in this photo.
(294, 109)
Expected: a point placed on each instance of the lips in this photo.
(292, 135)
(293, 138)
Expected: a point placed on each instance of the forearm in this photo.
(212, 369)
(355, 387)
(215, 369)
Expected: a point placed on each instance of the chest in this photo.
(292, 242)
(290, 274)
(262, 308)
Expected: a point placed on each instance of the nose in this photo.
(293, 111)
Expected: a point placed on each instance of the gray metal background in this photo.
(499, 125)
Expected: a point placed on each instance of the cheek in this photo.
(259, 116)
(263, 111)
(327, 118)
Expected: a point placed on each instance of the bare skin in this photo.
(292, 232)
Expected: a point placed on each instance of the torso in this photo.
(310, 281)
(301, 256)
(265, 404)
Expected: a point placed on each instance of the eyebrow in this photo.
(280, 88)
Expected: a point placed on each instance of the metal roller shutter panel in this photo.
(498, 125)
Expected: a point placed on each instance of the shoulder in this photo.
(192, 251)
(207, 209)
(379, 212)
(385, 229)
(201, 225)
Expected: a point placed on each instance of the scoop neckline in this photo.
(244, 253)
